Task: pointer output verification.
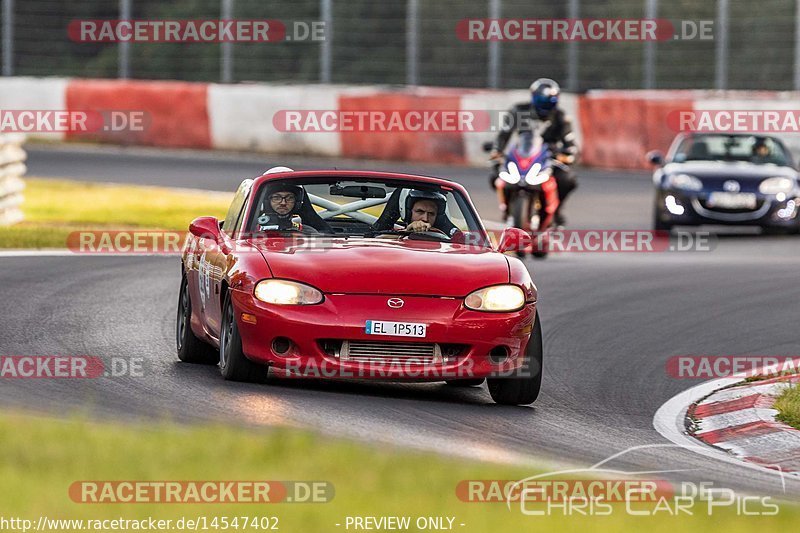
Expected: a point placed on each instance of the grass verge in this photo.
(788, 406)
(55, 208)
(42, 458)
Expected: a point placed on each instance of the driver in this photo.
(283, 202)
(761, 152)
(423, 215)
(425, 211)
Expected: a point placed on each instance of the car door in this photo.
(213, 263)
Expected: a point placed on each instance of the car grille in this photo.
(731, 215)
(391, 352)
(723, 210)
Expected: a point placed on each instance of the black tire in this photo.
(767, 230)
(475, 382)
(515, 209)
(190, 348)
(233, 364)
(658, 224)
(522, 390)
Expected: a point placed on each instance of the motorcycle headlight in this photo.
(512, 175)
(496, 298)
(282, 292)
(684, 181)
(776, 185)
(536, 176)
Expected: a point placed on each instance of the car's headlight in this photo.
(496, 298)
(776, 185)
(684, 181)
(278, 291)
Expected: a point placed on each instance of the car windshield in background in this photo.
(744, 148)
(375, 209)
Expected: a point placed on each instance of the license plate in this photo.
(396, 329)
(732, 200)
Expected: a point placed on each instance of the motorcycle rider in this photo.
(541, 116)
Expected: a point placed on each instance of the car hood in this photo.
(730, 170)
(373, 266)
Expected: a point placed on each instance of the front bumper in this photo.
(310, 329)
(679, 207)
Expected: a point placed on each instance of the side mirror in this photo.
(513, 239)
(655, 158)
(205, 228)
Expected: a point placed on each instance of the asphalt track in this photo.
(610, 323)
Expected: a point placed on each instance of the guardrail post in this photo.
(12, 168)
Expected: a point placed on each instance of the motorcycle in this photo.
(527, 191)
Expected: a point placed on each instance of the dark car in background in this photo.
(729, 179)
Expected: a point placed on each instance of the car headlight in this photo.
(496, 298)
(684, 181)
(282, 292)
(776, 185)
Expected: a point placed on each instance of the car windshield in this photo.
(744, 148)
(367, 208)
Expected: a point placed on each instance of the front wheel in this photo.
(233, 365)
(522, 390)
(658, 224)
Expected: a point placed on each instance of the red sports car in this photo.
(358, 275)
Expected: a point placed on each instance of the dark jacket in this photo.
(555, 130)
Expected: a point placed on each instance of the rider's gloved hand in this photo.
(495, 155)
(565, 158)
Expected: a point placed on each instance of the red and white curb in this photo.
(741, 420)
(733, 421)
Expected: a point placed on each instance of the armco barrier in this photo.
(175, 113)
(12, 168)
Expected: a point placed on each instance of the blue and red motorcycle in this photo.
(527, 191)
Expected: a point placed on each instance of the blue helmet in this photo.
(544, 96)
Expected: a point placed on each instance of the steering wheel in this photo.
(433, 233)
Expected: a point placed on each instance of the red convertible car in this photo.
(359, 275)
